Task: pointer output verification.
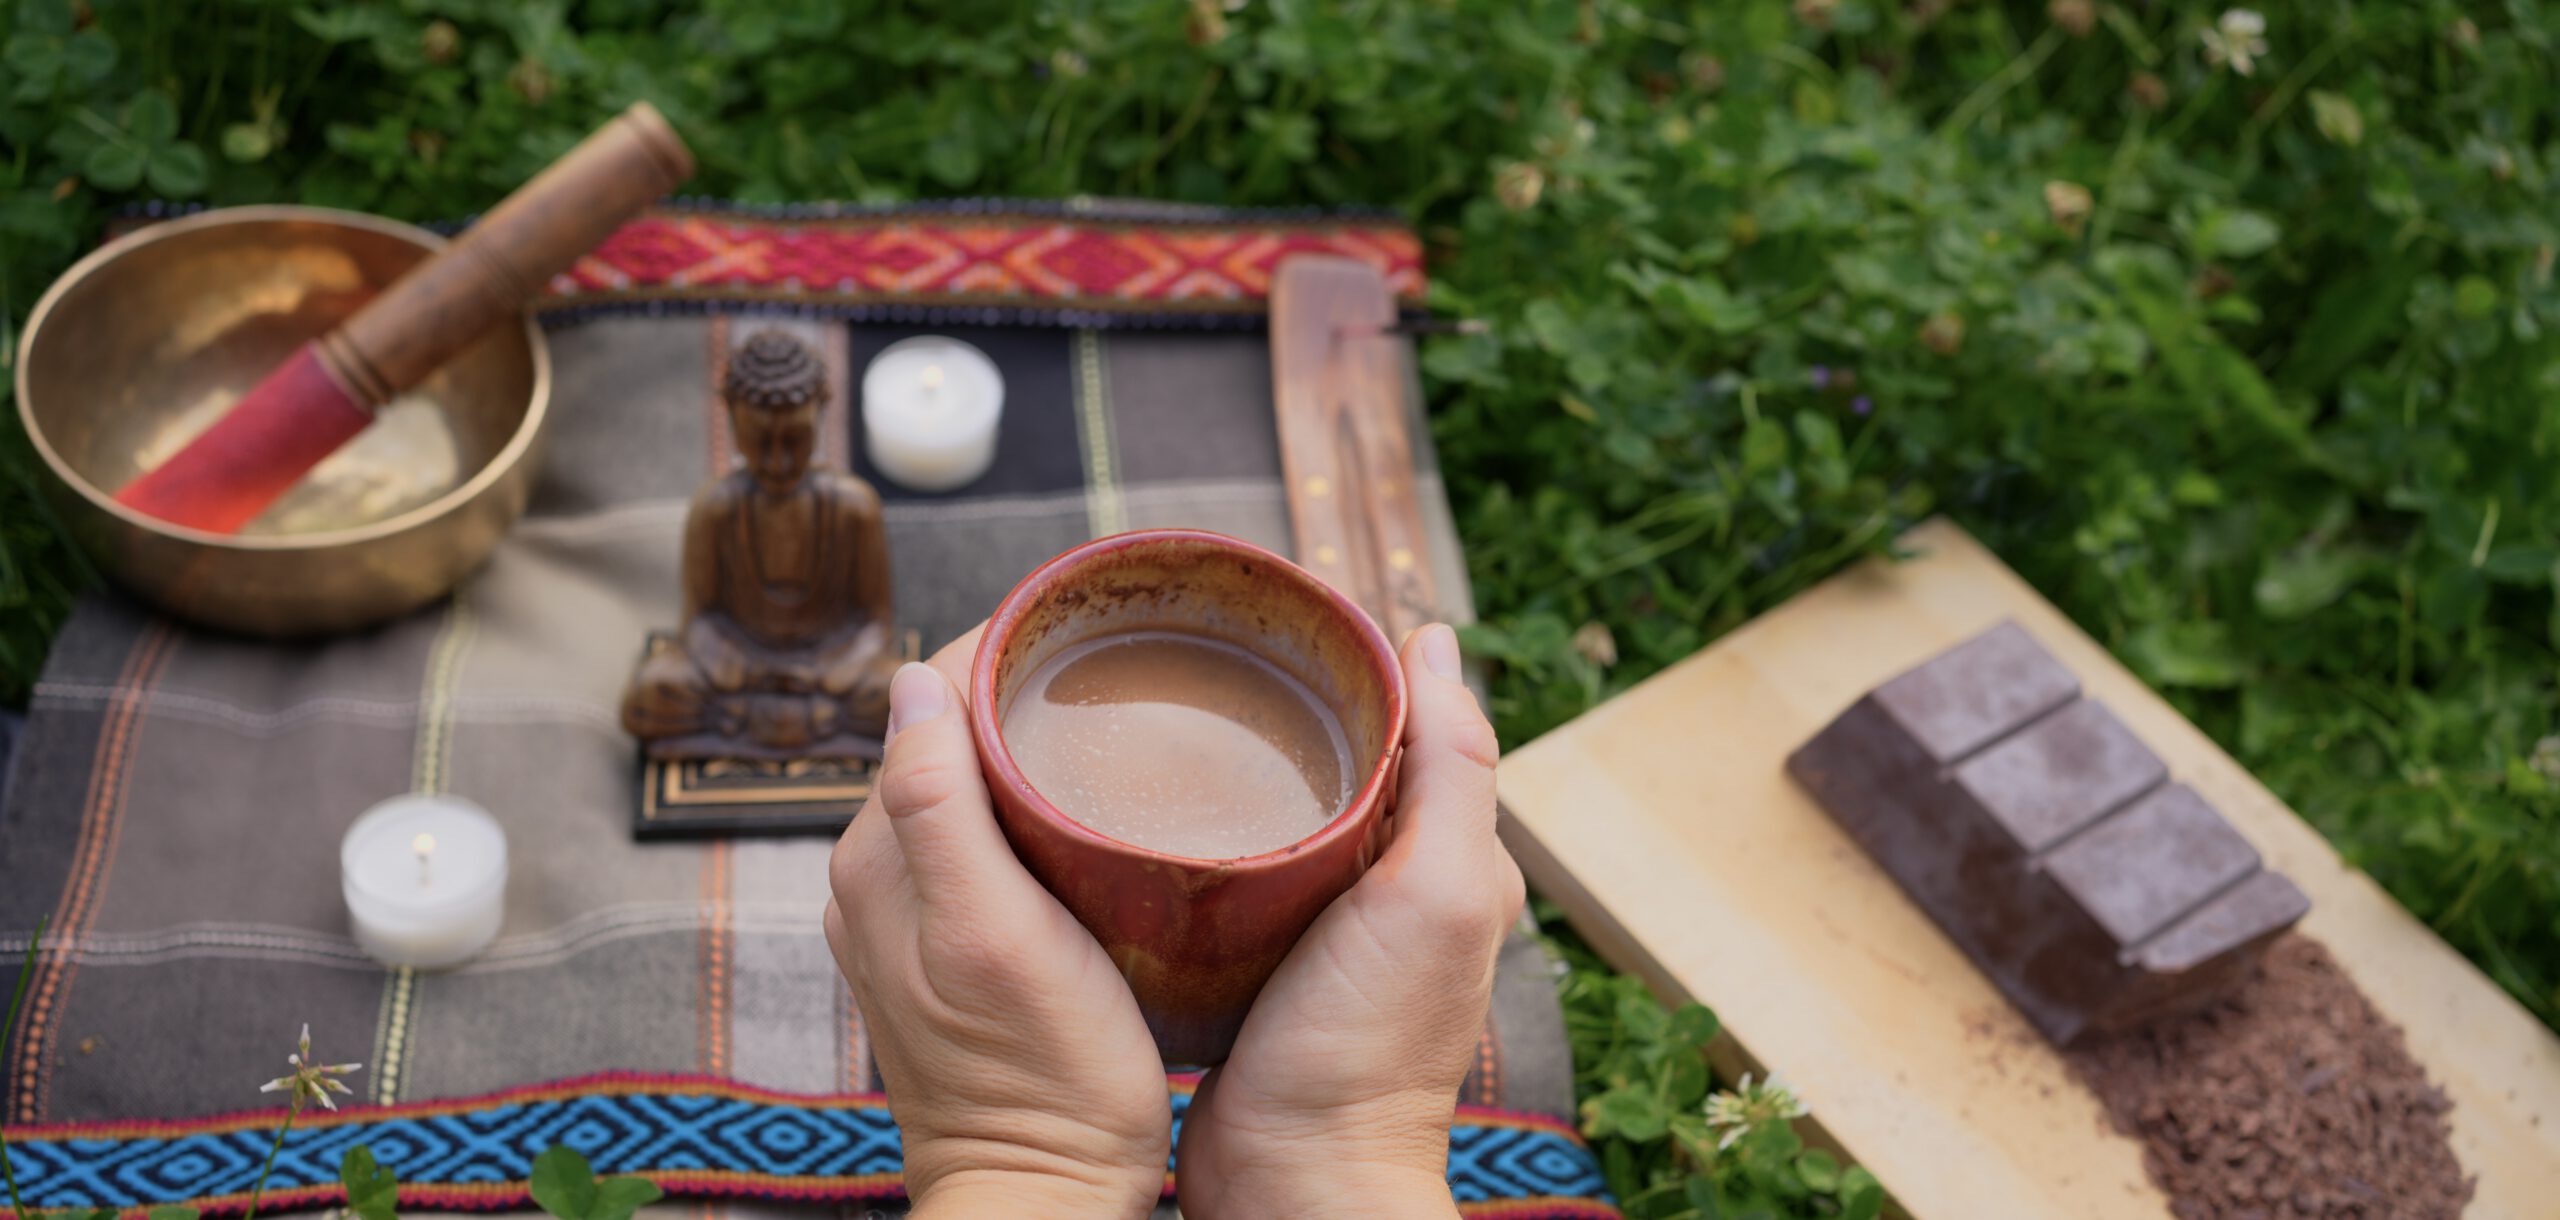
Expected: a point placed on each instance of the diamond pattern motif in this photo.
(698, 1136)
(926, 259)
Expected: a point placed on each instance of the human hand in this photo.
(1020, 1073)
(1338, 1096)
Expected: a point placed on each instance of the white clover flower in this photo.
(2238, 40)
(2069, 204)
(1596, 644)
(1745, 1106)
(311, 1081)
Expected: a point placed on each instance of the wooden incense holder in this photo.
(328, 391)
(1338, 389)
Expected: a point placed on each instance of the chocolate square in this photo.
(1977, 692)
(2059, 774)
(2142, 869)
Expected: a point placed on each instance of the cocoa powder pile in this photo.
(2292, 1099)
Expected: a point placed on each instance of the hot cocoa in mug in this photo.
(1192, 742)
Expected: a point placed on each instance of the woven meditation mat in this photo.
(667, 1007)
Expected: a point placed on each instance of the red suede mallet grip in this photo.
(275, 434)
(328, 390)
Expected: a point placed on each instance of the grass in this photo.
(2253, 373)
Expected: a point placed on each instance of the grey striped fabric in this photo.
(178, 797)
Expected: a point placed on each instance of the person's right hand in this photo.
(1338, 1096)
(1018, 1068)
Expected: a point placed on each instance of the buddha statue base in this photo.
(709, 786)
(794, 715)
(711, 747)
(787, 719)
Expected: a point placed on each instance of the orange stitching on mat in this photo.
(716, 416)
(100, 815)
(712, 996)
(835, 432)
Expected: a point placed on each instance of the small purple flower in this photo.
(1819, 375)
(1862, 404)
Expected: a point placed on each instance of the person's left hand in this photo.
(1018, 1068)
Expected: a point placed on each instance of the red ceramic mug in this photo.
(1195, 938)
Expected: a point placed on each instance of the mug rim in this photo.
(1001, 625)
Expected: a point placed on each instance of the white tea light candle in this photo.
(930, 406)
(425, 877)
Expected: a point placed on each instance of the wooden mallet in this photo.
(330, 388)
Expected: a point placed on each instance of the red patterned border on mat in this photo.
(998, 261)
(690, 1083)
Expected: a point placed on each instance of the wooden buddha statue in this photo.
(786, 648)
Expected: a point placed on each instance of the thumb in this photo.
(1449, 751)
(934, 795)
(1450, 857)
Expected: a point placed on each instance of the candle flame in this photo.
(424, 845)
(932, 377)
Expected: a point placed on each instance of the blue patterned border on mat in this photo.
(695, 1136)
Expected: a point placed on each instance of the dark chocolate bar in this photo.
(2046, 841)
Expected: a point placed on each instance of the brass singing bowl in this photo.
(148, 340)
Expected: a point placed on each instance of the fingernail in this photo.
(1440, 651)
(916, 694)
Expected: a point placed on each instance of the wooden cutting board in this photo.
(1663, 823)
